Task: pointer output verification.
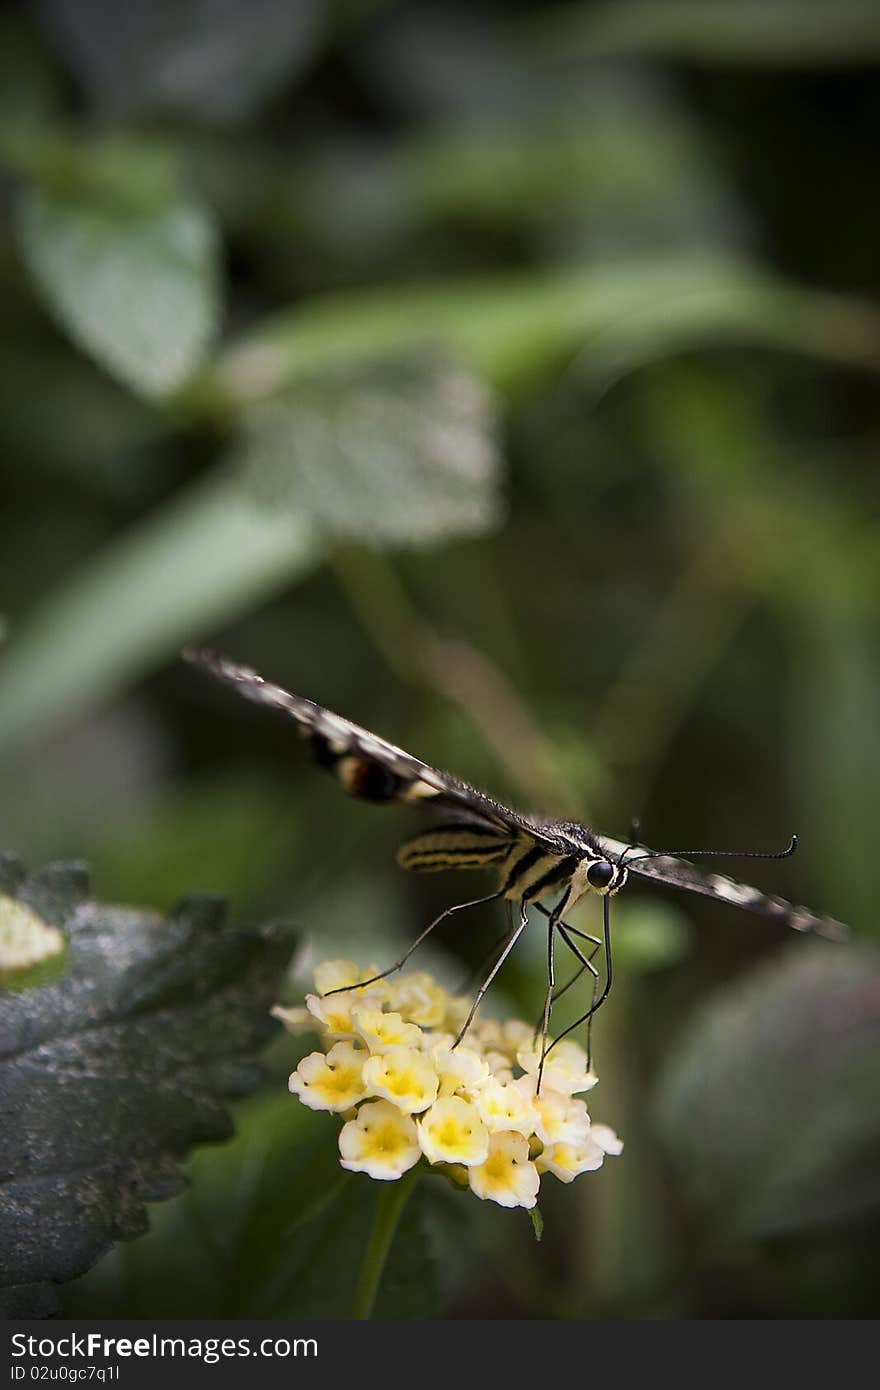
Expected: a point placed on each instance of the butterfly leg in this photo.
(552, 923)
(511, 940)
(609, 976)
(586, 964)
(399, 964)
(566, 927)
(584, 936)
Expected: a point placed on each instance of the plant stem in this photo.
(392, 1200)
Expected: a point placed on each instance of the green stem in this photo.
(392, 1200)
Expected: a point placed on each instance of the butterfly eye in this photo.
(600, 874)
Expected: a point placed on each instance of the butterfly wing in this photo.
(680, 873)
(370, 767)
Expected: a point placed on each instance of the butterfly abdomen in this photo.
(526, 869)
(466, 846)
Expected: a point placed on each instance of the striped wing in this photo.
(370, 767)
(679, 873)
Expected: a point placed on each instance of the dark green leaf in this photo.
(110, 1074)
(771, 1106)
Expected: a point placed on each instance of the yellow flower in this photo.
(460, 1070)
(507, 1177)
(392, 1054)
(342, 974)
(335, 1011)
(380, 1141)
(565, 1068)
(506, 1105)
(561, 1118)
(296, 1020)
(403, 1076)
(566, 1161)
(452, 1132)
(381, 1031)
(605, 1137)
(419, 999)
(334, 1082)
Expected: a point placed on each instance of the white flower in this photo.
(380, 1141)
(565, 1068)
(566, 1161)
(419, 999)
(296, 1020)
(335, 1011)
(403, 1076)
(561, 1118)
(334, 1082)
(507, 1177)
(459, 1069)
(452, 1132)
(604, 1136)
(505, 1105)
(392, 1055)
(381, 1031)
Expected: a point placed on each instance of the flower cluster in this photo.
(406, 1092)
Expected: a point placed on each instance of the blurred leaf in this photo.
(770, 1107)
(213, 59)
(621, 165)
(401, 452)
(111, 1073)
(204, 557)
(777, 33)
(136, 287)
(516, 329)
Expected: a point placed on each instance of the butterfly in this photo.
(533, 858)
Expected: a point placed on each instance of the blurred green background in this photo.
(504, 376)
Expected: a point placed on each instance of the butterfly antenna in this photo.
(712, 853)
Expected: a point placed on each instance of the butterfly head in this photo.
(603, 876)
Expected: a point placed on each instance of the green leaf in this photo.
(514, 329)
(110, 1074)
(205, 557)
(135, 286)
(402, 452)
(770, 1108)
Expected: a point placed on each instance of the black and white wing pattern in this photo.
(534, 855)
(373, 769)
(680, 873)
